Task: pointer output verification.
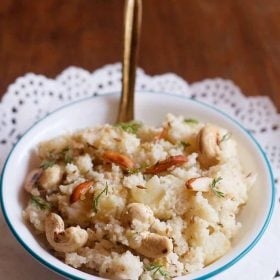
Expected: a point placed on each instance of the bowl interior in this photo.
(151, 108)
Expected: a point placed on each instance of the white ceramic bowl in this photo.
(151, 109)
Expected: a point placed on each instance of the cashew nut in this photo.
(51, 177)
(62, 240)
(119, 159)
(152, 245)
(139, 212)
(32, 178)
(162, 166)
(208, 145)
(80, 190)
(199, 184)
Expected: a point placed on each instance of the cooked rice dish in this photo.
(132, 201)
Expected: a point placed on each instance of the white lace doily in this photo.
(33, 96)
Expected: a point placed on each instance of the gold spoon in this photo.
(132, 27)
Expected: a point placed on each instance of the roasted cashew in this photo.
(62, 240)
(162, 166)
(199, 184)
(123, 161)
(139, 212)
(152, 245)
(32, 178)
(149, 244)
(51, 177)
(208, 146)
(80, 190)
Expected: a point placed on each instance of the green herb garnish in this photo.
(47, 163)
(130, 127)
(41, 203)
(213, 187)
(191, 121)
(185, 144)
(225, 137)
(157, 268)
(96, 199)
(67, 155)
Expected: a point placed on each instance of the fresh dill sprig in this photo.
(130, 127)
(191, 121)
(157, 268)
(41, 202)
(97, 198)
(47, 163)
(67, 155)
(213, 187)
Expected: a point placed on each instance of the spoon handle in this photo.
(132, 26)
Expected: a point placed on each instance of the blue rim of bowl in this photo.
(203, 277)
